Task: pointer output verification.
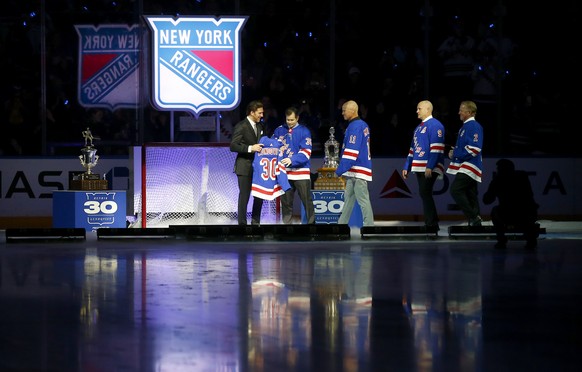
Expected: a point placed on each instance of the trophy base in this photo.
(86, 181)
(89, 176)
(328, 180)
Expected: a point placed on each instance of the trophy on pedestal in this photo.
(326, 178)
(89, 158)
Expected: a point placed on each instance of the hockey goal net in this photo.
(188, 184)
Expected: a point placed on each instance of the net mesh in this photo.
(191, 185)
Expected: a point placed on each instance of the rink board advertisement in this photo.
(27, 185)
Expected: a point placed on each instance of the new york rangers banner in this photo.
(108, 66)
(196, 62)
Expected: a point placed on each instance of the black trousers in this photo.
(425, 188)
(522, 220)
(244, 186)
(466, 194)
(303, 188)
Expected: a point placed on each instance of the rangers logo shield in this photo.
(108, 66)
(196, 62)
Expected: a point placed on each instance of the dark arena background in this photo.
(301, 52)
(155, 274)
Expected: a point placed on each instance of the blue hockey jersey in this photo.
(269, 176)
(467, 156)
(298, 149)
(356, 159)
(427, 148)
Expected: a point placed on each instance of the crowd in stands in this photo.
(296, 53)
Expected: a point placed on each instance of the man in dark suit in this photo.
(244, 142)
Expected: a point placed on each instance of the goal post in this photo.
(187, 184)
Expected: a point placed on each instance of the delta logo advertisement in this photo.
(395, 188)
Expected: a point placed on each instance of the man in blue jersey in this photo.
(355, 165)
(426, 159)
(297, 138)
(467, 163)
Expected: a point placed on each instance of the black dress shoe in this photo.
(475, 221)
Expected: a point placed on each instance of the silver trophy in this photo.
(331, 151)
(326, 177)
(89, 157)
